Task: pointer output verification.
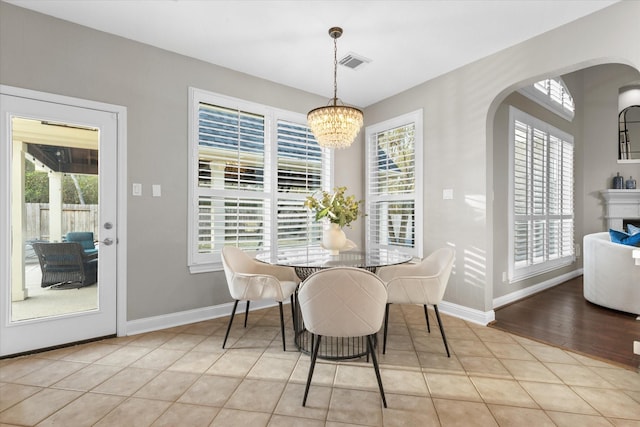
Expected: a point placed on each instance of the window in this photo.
(540, 198)
(251, 168)
(553, 95)
(394, 184)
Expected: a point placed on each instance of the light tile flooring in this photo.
(182, 377)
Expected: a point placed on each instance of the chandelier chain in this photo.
(335, 126)
(335, 71)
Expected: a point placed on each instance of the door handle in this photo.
(108, 241)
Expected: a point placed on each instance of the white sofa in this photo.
(611, 276)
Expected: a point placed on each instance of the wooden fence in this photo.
(74, 218)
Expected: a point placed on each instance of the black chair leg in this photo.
(314, 356)
(233, 312)
(444, 338)
(284, 347)
(246, 313)
(426, 316)
(371, 350)
(386, 324)
(293, 314)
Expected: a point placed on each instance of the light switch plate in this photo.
(156, 190)
(137, 189)
(447, 194)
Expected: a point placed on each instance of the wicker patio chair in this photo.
(65, 265)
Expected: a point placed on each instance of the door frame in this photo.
(121, 200)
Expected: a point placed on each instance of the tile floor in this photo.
(182, 377)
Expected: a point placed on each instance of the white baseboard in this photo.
(156, 323)
(522, 293)
(166, 321)
(466, 313)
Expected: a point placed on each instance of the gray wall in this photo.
(459, 117)
(600, 87)
(42, 53)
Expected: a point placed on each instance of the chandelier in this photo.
(335, 126)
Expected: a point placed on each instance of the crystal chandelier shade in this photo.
(335, 126)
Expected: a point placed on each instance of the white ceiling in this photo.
(409, 42)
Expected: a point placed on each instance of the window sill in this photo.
(205, 268)
(523, 275)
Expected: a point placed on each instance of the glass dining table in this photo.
(306, 261)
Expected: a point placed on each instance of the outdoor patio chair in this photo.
(85, 238)
(65, 265)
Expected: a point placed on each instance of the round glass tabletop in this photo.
(317, 257)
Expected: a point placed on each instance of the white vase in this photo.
(333, 238)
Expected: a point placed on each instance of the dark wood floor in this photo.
(562, 317)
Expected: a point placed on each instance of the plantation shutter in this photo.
(542, 230)
(302, 170)
(553, 95)
(392, 188)
(251, 168)
(232, 206)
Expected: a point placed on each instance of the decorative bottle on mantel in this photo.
(631, 183)
(618, 182)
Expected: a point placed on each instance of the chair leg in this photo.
(293, 314)
(444, 338)
(246, 313)
(284, 347)
(386, 324)
(314, 356)
(426, 316)
(371, 350)
(233, 312)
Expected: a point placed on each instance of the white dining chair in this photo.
(342, 302)
(251, 280)
(423, 283)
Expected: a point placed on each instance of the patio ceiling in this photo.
(57, 146)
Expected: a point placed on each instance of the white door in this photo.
(52, 146)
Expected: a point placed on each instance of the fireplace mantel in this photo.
(620, 205)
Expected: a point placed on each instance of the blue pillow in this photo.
(632, 229)
(624, 238)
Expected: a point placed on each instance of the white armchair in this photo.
(610, 277)
(251, 280)
(422, 284)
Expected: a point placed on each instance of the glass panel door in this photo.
(58, 250)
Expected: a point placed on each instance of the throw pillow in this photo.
(624, 238)
(632, 229)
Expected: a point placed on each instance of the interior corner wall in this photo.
(42, 53)
(459, 144)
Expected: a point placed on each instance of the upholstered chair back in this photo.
(249, 279)
(342, 302)
(422, 283)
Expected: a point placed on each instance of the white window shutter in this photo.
(252, 166)
(541, 197)
(393, 205)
